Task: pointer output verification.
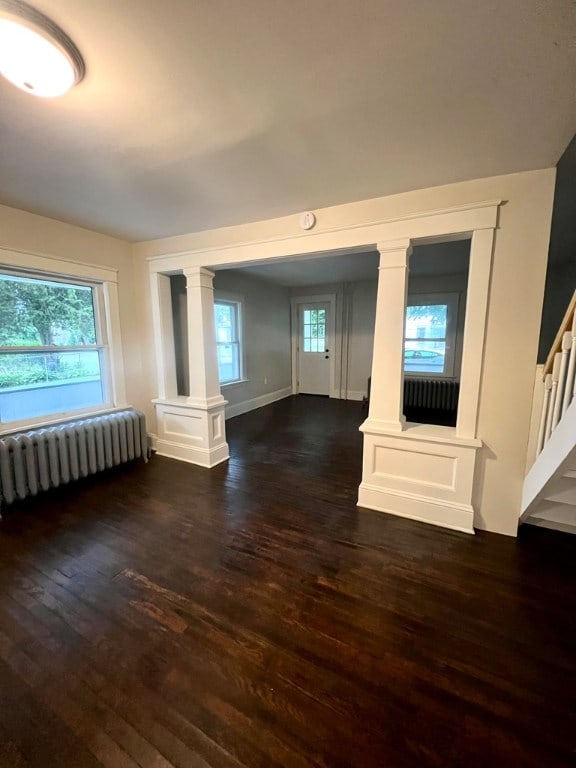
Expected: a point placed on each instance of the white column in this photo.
(192, 428)
(387, 389)
(474, 332)
(202, 360)
(408, 470)
(163, 335)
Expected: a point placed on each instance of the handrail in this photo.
(565, 325)
(559, 376)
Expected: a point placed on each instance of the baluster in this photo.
(552, 403)
(570, 388)
(544, 413)
(566, 347)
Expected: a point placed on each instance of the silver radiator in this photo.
(431, 393)
(47, 457)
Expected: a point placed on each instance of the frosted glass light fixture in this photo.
(35, 54)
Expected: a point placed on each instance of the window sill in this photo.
(430, 433)
(234, 383)
(11, 427)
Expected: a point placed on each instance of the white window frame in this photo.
(237, 303)
(107, 319)
(451, 300)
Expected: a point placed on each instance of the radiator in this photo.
(431, 393)
(47, 457)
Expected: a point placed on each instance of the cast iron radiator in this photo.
(431, 393)
(47, 457)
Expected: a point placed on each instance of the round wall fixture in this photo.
(35, 54)
(307, 220)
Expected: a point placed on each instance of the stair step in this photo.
(562, 490)
(554, 526)
(555, 515)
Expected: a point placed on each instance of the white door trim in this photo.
(295, 301)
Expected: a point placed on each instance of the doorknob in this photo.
(326, 357)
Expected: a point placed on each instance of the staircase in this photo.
(549, 493)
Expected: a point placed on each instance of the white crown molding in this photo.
(316, 235)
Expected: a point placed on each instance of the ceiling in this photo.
(202, 114)
(426, 260)
(339, 268)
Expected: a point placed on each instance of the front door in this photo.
(314, 352)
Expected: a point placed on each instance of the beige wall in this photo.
(29, 233)
(513, 323)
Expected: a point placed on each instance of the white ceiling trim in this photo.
(41, 262)
(424, 225)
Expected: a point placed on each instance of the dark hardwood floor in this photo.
(164, 615)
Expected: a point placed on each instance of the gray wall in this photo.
(355, 337)
(266, 324)
(355, 343)
(266, 334)
(561, 271)
(361, 325)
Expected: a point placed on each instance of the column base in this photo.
(423, 473)
(192, 432)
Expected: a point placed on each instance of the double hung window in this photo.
(53, 350)
(228, 321)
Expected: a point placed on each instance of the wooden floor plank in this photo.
(252, 616)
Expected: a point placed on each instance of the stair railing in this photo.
(559, 377)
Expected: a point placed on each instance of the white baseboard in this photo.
(202, 457)
(458, 517)
(352, 394)
(257, 402)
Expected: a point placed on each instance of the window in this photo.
(429, 335)
(52, 350)
(314, 330)
(227, 315)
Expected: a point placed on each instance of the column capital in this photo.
(198, 277)
(394, 253)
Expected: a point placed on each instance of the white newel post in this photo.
(387, 387)
(192, 428)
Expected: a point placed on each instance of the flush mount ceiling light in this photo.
(35, 54)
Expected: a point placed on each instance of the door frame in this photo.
(295, 302)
